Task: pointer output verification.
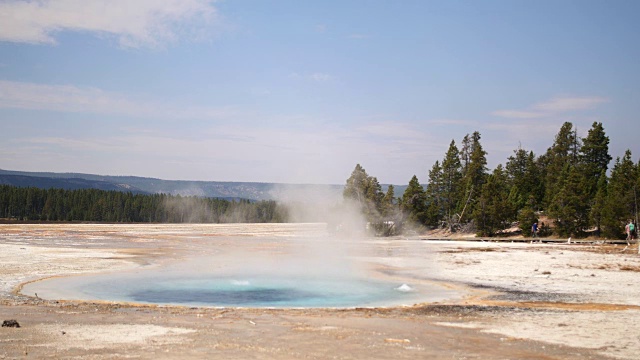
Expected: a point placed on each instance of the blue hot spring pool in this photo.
(229, 291)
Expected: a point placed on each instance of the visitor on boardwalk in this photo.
(627, 230)
(534, 230)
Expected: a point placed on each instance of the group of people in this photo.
(629, 229)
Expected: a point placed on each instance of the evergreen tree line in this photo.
(569, 184)
(115, 206)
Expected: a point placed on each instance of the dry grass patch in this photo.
(630, 268)
(469, 250)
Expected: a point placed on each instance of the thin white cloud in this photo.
(320, 77)
(450, 122)
(139, 23)
(553, 107)
(392, 130)
(561, 104)
(259, 91)
(518, 114)
(75, 144)
(523, 130)
(70, 98)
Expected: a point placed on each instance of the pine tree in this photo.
(356, 185)
(474, 176)
(434, 196)
(523, 177)
(562, 152)
(569, 208)
(414, 201)
(465, 153)
(365, 191)
(374, 196)
(620, 205)
(599, 202)
(451, 184)
(388, 202)
(594, 158)
(493, 211)
(534, 182)
(527, 216)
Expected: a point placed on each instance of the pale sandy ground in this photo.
(520, 300)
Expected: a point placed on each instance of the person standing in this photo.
(534, 230)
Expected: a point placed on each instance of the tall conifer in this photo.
(562, 152)
(569, 207)
(451, 183)
(493, 211)
(414, 201)
(474, 176)
(620, 206)
(434, 196)
(594, 157)
(599, 202)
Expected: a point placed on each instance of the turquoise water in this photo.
(254, 291)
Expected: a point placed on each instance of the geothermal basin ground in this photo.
(63, 283)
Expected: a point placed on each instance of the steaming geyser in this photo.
(255, 265)
(305, 272)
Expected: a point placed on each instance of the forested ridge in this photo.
(115, 206)
(569, 185)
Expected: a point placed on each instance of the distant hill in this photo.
(215, 189)
(62, 183)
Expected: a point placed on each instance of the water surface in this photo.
(226, 291)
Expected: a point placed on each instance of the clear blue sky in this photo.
(301, 91)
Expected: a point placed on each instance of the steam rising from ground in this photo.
(328, 251)
(313, 203)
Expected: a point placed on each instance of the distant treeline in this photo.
(115, 206)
